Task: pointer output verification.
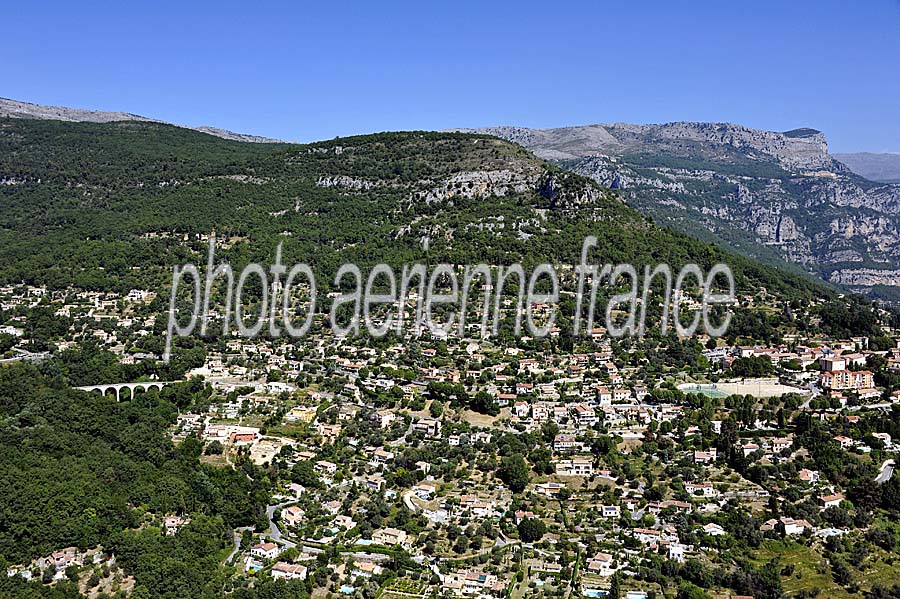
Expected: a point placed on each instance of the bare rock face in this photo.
(226, 134)
(865, 277)
(346, 182)
(25, 110)
(775, 196)
(788, 230)
(480, 184)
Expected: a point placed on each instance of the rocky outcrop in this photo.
(865, 277)
(346, 182)
(750, 189)
(479, 184)
(25, 110)
(226, 134)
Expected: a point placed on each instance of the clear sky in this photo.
(306, 71)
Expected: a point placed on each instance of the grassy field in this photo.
(219, 461)
(483, 420)
(290, 430)
(811, 570)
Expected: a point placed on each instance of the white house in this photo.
(700, 489)
(265, 551)
(286, 571)
(575, 467)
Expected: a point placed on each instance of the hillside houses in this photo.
(372, 445)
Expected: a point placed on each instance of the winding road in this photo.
(238, 534)
(887, 471)
(274, 532)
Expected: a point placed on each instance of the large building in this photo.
(846, 379)
(575, 467)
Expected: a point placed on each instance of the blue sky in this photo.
(303, 72)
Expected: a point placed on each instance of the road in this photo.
(238, 534)
(814, 392)
(274, 532)
(402, 440)
(887, 471)
(407, 499)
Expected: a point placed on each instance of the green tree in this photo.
(514, 472)
(531, 530)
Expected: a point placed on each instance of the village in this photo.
(499, 468)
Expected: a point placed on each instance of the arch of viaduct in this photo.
(131, 387)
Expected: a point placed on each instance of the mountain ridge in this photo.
(114, 206)
(803, 147)
(778, 197)
(774, 196)
(882, 167)
(27, 110)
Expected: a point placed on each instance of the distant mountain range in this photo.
(877, 167)
(777, 197)
(26, 110)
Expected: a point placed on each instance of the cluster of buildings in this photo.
(349, 426)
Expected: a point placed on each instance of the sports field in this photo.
(755, 387)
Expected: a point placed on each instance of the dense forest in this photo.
(114, 206)
(120, 469)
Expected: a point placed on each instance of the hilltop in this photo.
(26, 110)
(116, 205)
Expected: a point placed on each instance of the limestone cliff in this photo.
(773, 196)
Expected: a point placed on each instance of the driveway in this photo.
(887, 471)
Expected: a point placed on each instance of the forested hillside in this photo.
(82, 470)
(116, 205)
